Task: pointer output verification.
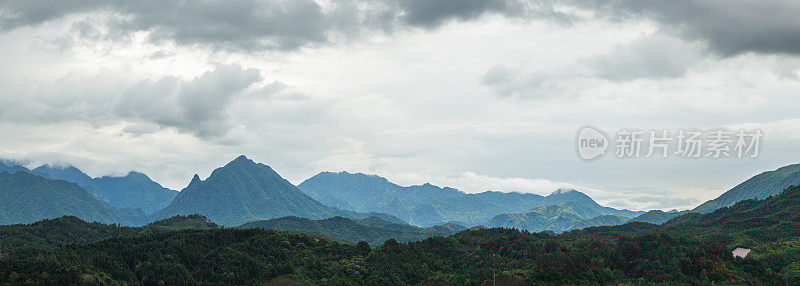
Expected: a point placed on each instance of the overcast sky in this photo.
(473, 94)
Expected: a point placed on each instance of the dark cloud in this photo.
(265, 25)
(235, 25)
(729, 27)
(196, 106)
(17, 13)
(431, 14)
(245, 25)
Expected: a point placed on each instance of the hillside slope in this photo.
(758, 187)
(26, 198)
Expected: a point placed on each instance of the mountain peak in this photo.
(64, 172)
(564, 191)
(137, 175)
(244, 191)
(241, 161)
(242, 158)
(195, 180)
(563, 195)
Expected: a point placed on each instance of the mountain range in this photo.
(557, 218)
(243, 191)
(134, 190)
(428, 205)
(597, 245)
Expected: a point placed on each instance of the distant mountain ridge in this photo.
(570, 210)
(134, 190)
(26, 198)
(428, 205)
(10, 167)
(67, 173)
(243, 191)
(763, 185)
(657, 216)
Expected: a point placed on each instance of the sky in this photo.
(473, 94)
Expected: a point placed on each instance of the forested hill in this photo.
(257, 256)
(372, 230)
(758, 187)
(657, 216)
(21, 240)
(748, 222)
(26, 198)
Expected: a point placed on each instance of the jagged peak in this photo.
(195, 180)
(242, 160)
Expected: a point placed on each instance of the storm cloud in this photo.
(265, 25)
(728, 27)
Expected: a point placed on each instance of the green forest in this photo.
(693, 249)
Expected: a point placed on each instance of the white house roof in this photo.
(741, 252)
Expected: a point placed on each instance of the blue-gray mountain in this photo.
(10, 167)
(63, 172)
(569, 209)
(243, 191)
(135, 190)
(763, 185)
(26, 198)
(428, 205)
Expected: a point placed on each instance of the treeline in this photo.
(252, 256)
(23, 240)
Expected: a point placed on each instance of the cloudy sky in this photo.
(473, 94)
